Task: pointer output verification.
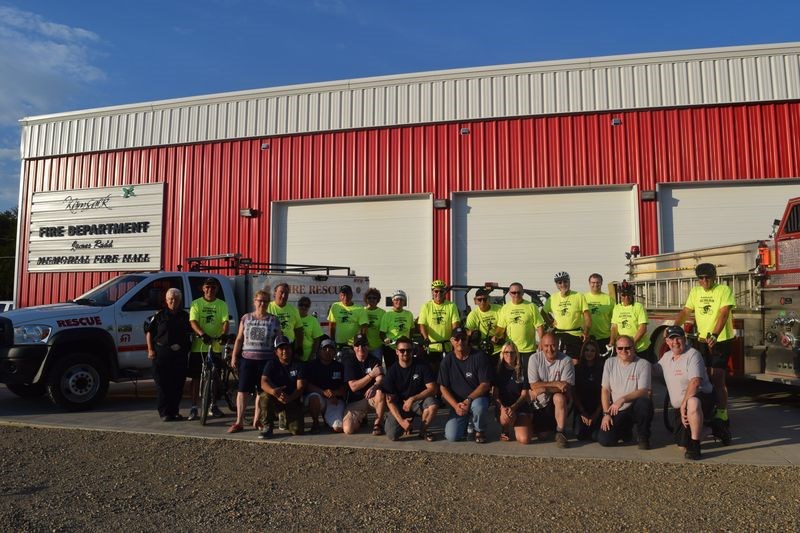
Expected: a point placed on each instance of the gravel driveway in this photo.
(74, 480)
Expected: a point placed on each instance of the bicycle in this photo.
(209, 372)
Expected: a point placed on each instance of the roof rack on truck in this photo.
(236, 264)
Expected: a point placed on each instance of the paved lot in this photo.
(765, 422)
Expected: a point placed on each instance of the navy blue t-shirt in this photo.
(404, 383)
(463, 377)
(355, 370)
(330, 376)
(279, 375)
(509, 387)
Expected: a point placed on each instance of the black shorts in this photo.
(250, 371)
(196, 363)
(718, 356)
(683, 434)
(544, 419)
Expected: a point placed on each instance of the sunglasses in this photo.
(437, 290)
(514, 292)
(624, 348)
(562, 281)
(403, 350)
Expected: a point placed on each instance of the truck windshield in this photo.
(109, 292)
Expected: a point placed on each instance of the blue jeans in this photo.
(456, 426)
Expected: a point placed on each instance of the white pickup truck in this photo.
(72, 350)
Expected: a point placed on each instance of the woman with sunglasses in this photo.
(510, 393)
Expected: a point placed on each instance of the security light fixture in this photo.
(248, 212)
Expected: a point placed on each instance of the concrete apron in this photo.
(766, 429)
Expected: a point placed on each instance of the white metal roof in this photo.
(653, 80)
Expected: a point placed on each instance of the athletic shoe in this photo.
(721, 429)
(693, 450)
(561, 440)
(644, 444)
(192, 414)
(266, 434)
(167, 418)
(215, 412)
(282, 420)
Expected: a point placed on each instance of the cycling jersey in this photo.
(628, 318)
(289, 317)
(706, 306)
(567, 311)
(348, 320)
(600, 307)
(520, 322)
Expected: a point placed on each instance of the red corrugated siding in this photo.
(206, 184)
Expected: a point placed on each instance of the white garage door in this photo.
(693, 216)
(389, 240)
(529, 236)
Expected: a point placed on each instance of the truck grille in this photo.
(6, 332)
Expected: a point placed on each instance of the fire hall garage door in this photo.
(389, 240)
(696, 216)
(529, 236)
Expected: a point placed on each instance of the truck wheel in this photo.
(77, 382)
(34, 390)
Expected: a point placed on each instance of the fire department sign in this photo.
(108, 228)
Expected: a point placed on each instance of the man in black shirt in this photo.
(410, 389)
(363, 375)
(325, 390)
(465, 378)
(282, 384)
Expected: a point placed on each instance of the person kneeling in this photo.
(410, 390)
(626, 399)
(282, 384)
(325, 389)
(363, 375)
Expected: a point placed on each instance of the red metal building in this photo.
(503, 173)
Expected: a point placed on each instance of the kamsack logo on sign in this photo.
(108, 228)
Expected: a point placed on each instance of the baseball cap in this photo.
(458, 333)
(705, 269)
(326, 343)
(347, 289)
(360, 340)
(482, 292)
(675, 331)
(282, 340)
(211, 281)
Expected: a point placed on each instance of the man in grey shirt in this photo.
(690, 391)
(551, 376)
(625, 395)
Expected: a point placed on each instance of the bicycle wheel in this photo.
(205, 393)
(230, 385)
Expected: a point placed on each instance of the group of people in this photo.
(536, 368)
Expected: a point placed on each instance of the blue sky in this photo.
(60, 55)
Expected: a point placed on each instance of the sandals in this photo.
(480, 438)
(235, 428)
(377, 429)
(504, 437)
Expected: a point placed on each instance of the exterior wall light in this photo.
(248, 213)
(441, 203)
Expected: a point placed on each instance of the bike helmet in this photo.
(705, 269)
(399, 293)
(561, 276)
(438, 284)
(627, 289)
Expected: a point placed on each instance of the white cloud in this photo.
(41, 63)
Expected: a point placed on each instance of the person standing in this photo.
(437, 319)
(601, 306)
(395, 323)
(255, 345)
(712, 304)
(483, 319)
(346, 319)
(208, 316)
(374, 316)
(169, 337)
(568, 311)
(312, 331)
(630, 318)
(520, 322)
(289, 317)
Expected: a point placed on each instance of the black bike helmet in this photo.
(627, 289)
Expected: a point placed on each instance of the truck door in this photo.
(142, 304)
